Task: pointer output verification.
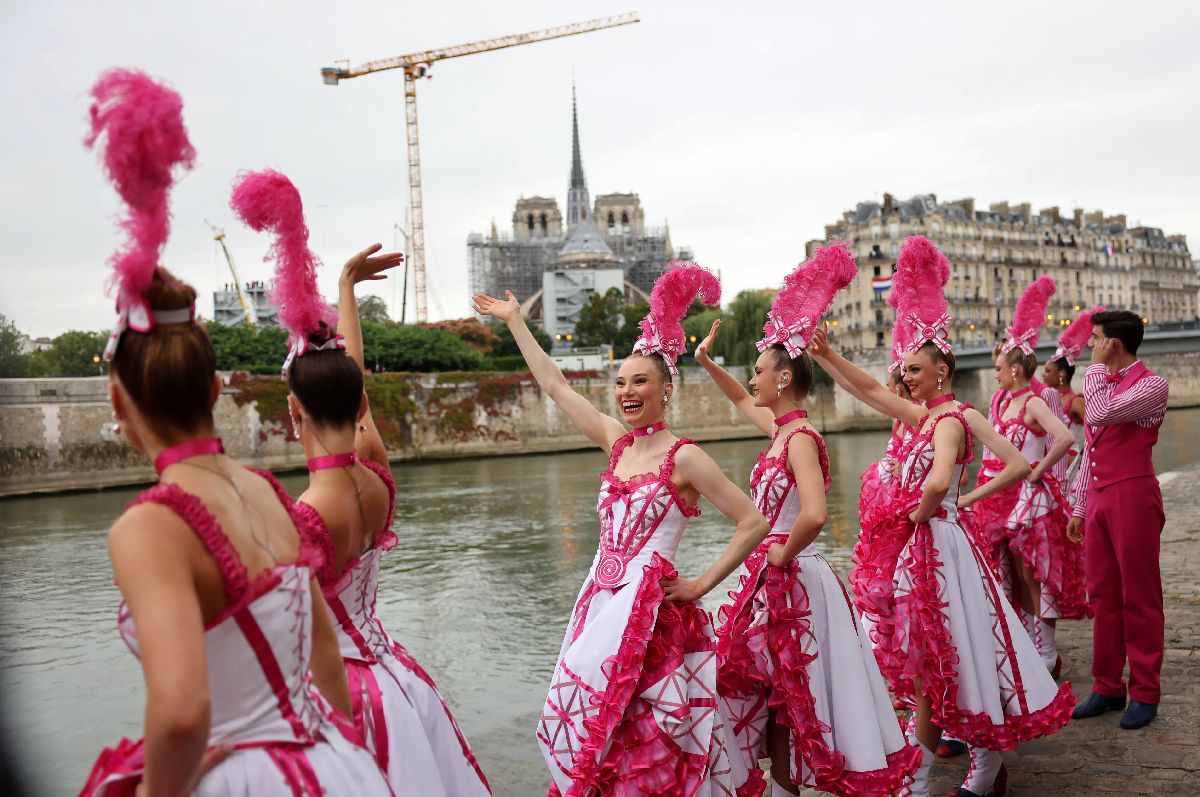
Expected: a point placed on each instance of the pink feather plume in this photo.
(681, 282)
(1030, 312)
(1076, 335)
(809, 289)
(144, 140)
(267, 200)
(922, 272)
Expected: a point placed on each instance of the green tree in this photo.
(12, 362)
(409, 347)
(744, 325)
(372, 308)
(260, 349)
(73, 353)
(698, 326)
(476, 334)
(630, 331)
(507, 347)
(601, 319)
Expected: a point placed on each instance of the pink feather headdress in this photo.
(804, 297)
(901, 332)
(922, 272)
(1029, 316)
(662, 330)
(144, 140)
(1076, 336)
(267, 200)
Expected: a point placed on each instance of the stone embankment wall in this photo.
(54, 435)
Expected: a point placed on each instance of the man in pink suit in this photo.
(1119, 504)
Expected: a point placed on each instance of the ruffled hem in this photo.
(1056, 562)
(936, 667)
(871, 492)
(795, 707)
(121, 766)
(639, 753)
(789, 688)
(989, 516)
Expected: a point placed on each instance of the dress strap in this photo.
(968, 439)
(822, 452)
(668, 466)
(192, 511)
(315, 537)
(386, 475)
(311, 553)
(618, 448)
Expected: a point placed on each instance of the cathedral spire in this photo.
(577, 192)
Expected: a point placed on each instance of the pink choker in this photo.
(332, 461)
(186, 450)
(784, 420)
(939, 401)
(1021, 392)
(643, 431)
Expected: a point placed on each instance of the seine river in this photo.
(491, 557)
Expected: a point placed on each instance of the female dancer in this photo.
(348, 505)
(794, 664)
(1059, 371)
(633, 706)
(219, 603)
(949, 639)
(1023, 527)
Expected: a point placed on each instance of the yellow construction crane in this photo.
(417, 65)
(219, 237)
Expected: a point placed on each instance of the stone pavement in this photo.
(1096, 757)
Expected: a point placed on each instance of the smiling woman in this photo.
(638, 637)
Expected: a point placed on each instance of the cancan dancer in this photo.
(348, 504)
(953, 643)
(219, 601)
(633, 707)
(1058, 373)
(1023, 527)
(794, 664)
(1119, 504)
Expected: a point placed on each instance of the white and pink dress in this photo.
(286, 739)
(878, 477)
(947, 621)
(1029, 520)
(397, 707)
(633, 707)
(790, 643)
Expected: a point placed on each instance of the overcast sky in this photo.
(749, 126)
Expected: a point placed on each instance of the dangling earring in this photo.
(779, 390)
(666, 399)
(939, 385)
(1013, 371)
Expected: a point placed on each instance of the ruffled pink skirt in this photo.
(790, 645)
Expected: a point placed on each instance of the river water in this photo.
(491, 557)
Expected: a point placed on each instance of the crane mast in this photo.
(219, 237)
(417, 65)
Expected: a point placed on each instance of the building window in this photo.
(878, 339)
(612, 221)
(545, 228)
(624, 219)
(895, 250)
(876, 272)
(894, 230)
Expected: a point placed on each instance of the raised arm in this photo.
(601, 429)
(364, 266)
(734, 390)
(862, 385)
(1015, 466)
(805, 462)
(697, 469)
(1038, 410)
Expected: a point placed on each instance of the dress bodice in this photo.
(773, 485)
(1031, 443)
(917, 459)
(891, 454)
(258, 649)
(351, 594)
(639, 517)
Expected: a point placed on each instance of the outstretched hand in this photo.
(819, 347)
(366, 265)
(505, 310)
(705, 346)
